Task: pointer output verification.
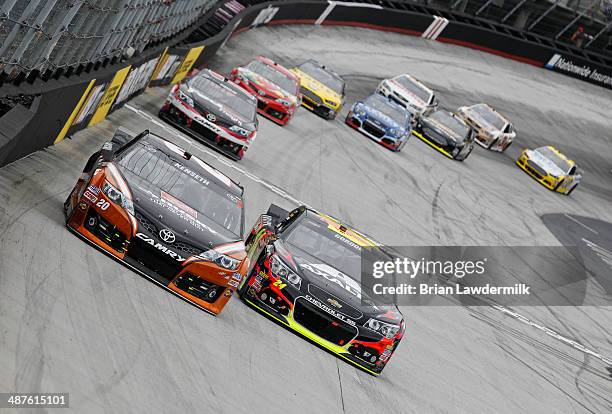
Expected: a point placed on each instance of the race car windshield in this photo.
(378, 102)
(276, 77)
(414, 88)
(562, 164)
(491, 117)
(151, 169)
(314, 238)
(449, 122)
(330, 80)
(232, 101)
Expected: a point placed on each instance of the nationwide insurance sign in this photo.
(583, 70)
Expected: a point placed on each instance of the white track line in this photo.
(582, 224)
(285, 195)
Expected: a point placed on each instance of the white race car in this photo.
(493, 131)
(409, 93)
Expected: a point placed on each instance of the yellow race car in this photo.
(550, 168)
(322, 89)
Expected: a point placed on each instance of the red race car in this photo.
(276, 88)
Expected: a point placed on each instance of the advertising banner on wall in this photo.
(580, 69)
(167, 70)
(137, 80)
(187, 64)
(109, 96)
(91, 103)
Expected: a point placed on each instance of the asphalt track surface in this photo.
(73, 320)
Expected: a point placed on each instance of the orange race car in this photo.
(165, 214)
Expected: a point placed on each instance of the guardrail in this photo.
(57, 108)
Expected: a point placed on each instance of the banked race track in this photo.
(74, 320)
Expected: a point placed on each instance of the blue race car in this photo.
(382, 120)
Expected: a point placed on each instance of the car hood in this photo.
(316, 86)
(155, 212)
(383, 119)
(445, 131)
(268, 86)
(223, 113)
(326, 277)
(406, 94)
(483, 123)
(546, 164)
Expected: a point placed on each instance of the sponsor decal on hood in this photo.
(547, 164)
(335, 276)
(174, 255)
(416, 99)
(383, 119)
(315, 85)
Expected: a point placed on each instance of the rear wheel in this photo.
(240, 152)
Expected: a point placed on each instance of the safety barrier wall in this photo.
(60, 110)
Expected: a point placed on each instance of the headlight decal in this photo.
(239, 130)
(386, 329)
(118, 197)
(220, 259)
(283, 271)
(183, 96)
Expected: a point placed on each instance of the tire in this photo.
(558, 185)
(240, 153)
(492, 143)
(571, 190)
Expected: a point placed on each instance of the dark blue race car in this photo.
(381, 120)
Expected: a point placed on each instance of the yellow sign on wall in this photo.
(74, 113)
(109, 96)
(160, 64)
(187, 64)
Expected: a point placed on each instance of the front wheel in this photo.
(508, 143)
(492, 144)
(239, 151)
(571, 189)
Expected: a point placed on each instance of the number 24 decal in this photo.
(103, 204)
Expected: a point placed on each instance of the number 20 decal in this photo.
(103, 204)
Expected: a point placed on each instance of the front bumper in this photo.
(316, 104)
(376, 134)
(268, 107)
(461, 155)
(199, 284)
(300, 313)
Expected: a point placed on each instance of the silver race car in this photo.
(492, 130)
(409, 93)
